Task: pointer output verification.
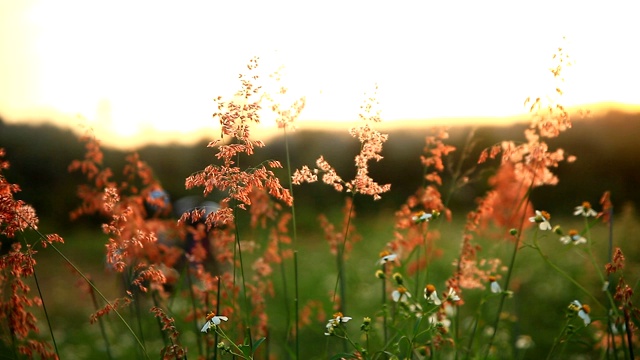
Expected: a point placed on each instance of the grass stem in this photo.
(126, 324)
(296, 302)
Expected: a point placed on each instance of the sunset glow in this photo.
(145, 68)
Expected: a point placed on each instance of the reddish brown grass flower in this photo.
(167, 324)
(607, 205)
(17, 265)
(236, 117)
(371, 142)
(134, 207)
(334, 237)
(413, 218)
(532, 160)
(285, 116)
(114, 305)
(503, 203)
(15, 215)
(617, 262)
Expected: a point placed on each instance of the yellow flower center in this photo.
(402, 289)
(586, 205)
(337, 315)
(210, 315)
(492, 278)
(573, 232)
(586, 308)
(545, 215)
(384, 253)
(430, 289)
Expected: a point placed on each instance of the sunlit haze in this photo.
(139, 71)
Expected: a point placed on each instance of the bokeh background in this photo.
(143, 77)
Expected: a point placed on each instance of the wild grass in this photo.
(239, 278)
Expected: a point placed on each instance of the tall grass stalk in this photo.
(558, 338)
(238, 251)
(215, 337)
(296, 303)
(245, 302)
(523, 204)
(103, 332)
(285, 294)
(126, 324)
(610, 335)
(598, 269)
(476, 321)
(236, 351)
(385, 311)
(341, 279)
(192, 297)
(165, 338)
(564, 274)
(46, 313)
(136, 305)
(77, 270)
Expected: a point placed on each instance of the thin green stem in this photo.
(590, 252)
(341, 278)
(192, 296)
(340, 261)
(165, 338)
(101, 324)
(475, 326)
(138, 315)
(285, 293)
(238, 351)
(296, 302)
(556, 341)
(525, 204)
(295, 245)
(246, 311)
(215, 338)
(628, 331)
(144, 351)
(426, 260)
(293, 208)
(384, 303)
(46, 313)
(44, 238)
(348, 339)
(610, 335)
(562, 272)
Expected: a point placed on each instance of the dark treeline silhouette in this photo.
(607, 149)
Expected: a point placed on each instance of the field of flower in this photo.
(258, 275)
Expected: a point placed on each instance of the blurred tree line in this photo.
(607, 149)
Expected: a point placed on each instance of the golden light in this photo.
(152, 68)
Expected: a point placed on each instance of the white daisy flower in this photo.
(421, 217)
(212, 321)
(573, 237)
(386, 256)
(400, 294)
(334, 322)
(431, 295)
(542, 218)
(494, 286)
(582, 310)
(452, 295)
(585, 210)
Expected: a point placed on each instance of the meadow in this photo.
(257, 272)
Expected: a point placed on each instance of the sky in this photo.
(140, 71)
